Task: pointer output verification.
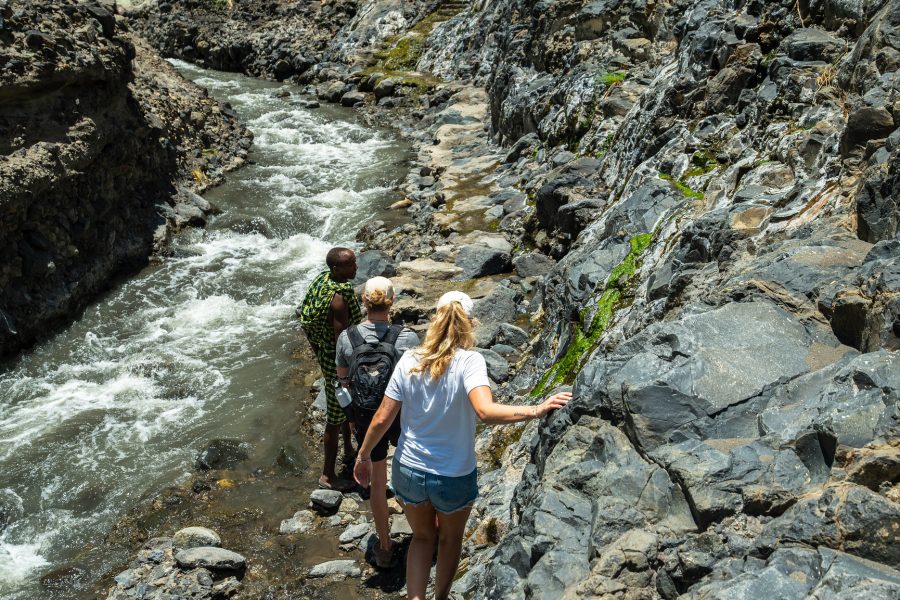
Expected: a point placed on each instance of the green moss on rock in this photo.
(614, 295)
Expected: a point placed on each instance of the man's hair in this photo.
(338, 256)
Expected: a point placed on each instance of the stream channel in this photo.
(195, 347)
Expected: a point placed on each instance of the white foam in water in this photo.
(117, 405)
(18, 561)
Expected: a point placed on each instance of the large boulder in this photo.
(702, 374)
(795, 572)
(877, 202)
(373, 263)
(497, 366)
(480, 261)
(332, 91)
(351, 99)
(814, 44)
(846, 516)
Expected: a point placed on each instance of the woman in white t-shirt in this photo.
(442, 386)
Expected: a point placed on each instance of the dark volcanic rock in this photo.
(373, 263)
(478, 261)
(222, 454)
(852, 517)
(814, 44)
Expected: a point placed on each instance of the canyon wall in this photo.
(98, 140)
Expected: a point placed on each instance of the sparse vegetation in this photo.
(610, 79)
(199, 176)
(682, 187)
(826, 77)
(614, 295)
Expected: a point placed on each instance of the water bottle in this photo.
(344, 399)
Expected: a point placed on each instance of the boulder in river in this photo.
(328, 500)
(222, 454)
(11, 508)
(192, 537)
(212, 558)
(340, 568)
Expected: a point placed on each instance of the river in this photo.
(196, 346)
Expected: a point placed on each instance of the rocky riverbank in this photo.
(687, 211)
(102, 150)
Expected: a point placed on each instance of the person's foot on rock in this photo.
(341, 485)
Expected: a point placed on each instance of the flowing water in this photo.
(195, 347)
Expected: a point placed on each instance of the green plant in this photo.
(702, 161)
(614, 295)
(682, 187)
(610, 79)
(606, 145)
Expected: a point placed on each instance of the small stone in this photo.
(342, 568)
(400, 526)
(394, 507)
(354, 532)
(349, 505)
(405, 203)
(301, 522)
(193, 537)
(327, 499)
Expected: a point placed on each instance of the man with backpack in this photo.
(365, 358)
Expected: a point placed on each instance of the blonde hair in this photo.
(450, 329)
(378, 300)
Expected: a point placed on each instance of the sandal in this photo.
(340, 485)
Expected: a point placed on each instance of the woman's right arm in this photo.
(492, 413)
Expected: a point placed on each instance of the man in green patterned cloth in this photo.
(329, 307)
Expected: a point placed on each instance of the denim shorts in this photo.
(446, 494)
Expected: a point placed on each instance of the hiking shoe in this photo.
(383, 558)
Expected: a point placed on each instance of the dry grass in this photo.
(826, 77)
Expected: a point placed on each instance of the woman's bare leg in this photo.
(421, 548)
(378, 500)
(451, 527)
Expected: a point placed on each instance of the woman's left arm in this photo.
(492, 413)
(381, 422)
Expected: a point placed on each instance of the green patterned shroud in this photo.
(314, 311)
(315, 322)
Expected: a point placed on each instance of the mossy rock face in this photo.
(405, 53)
(615, 294)
(682, 187)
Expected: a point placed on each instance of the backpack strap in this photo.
(391, 335)
(356, 338)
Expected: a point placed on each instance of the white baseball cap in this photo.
(456, 296)
(379, 283)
